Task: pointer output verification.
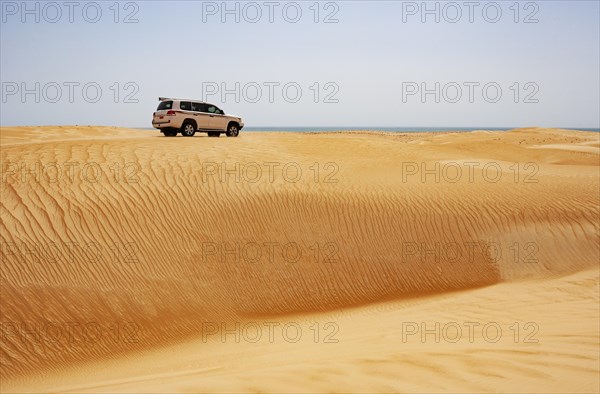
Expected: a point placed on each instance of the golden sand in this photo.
(366, 261)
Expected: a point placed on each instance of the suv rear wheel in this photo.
(232, 130)
(188, 129)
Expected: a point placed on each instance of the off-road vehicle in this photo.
(189, 116)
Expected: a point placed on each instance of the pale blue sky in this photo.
(368, 54)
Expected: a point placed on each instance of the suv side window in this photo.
(185, 106)
(213, 110)
(198, 107)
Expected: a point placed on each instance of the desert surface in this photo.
(299, 262)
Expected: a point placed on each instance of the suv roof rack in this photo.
(170, 98)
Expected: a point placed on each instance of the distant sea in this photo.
(390, 129)
(393, 129)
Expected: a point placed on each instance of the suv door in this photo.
(200, 115)
(218, 121)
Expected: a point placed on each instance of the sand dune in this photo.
(120, 242)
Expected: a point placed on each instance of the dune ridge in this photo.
(173, 239)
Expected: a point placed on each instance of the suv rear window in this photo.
(165, 105)
(185, 106)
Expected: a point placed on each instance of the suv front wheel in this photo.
(188, 129)
(232, 130)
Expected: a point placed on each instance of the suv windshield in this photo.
(165, 105)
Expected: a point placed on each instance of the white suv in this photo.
(188, 116)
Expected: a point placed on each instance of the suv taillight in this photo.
(170, 113)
